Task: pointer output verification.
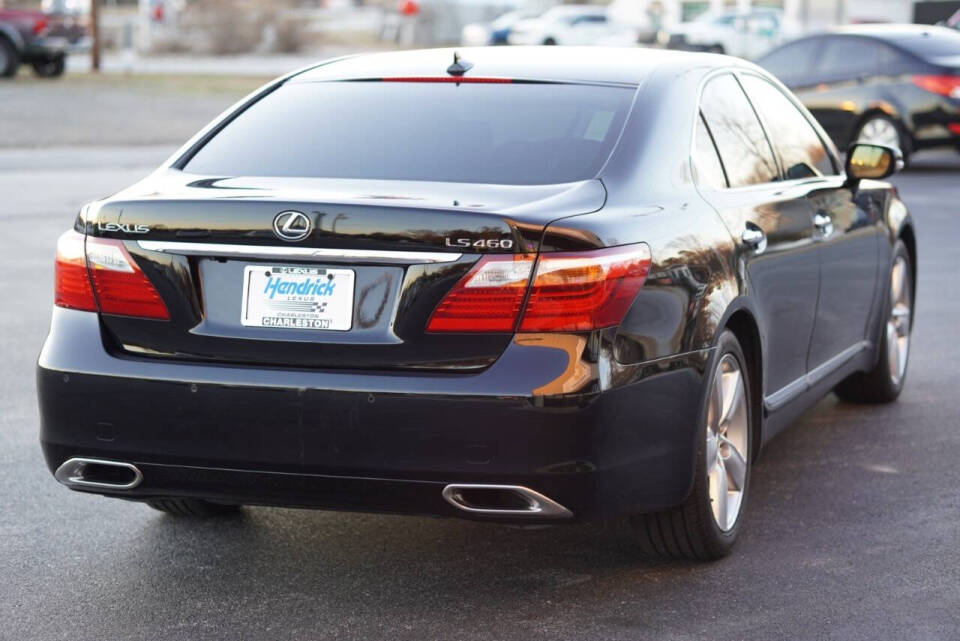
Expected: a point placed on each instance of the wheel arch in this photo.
(744, 326)
(12, 36)
(909, 238)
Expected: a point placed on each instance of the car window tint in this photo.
(743, 147)
(519, 134)
(801, 151)
(793, 61)
(706, 162)
(850, 56)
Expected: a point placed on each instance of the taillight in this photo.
(40, 26)
(581, 291)
(119, 287)
(71, 282)
(943, 85)
(487, 299)
(575, 291)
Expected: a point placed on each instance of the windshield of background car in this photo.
(500, 133)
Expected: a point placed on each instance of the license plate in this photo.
(297, 297)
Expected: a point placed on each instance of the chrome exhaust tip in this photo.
(503, 500)
(98, 474)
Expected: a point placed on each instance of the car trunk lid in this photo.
(390, 251)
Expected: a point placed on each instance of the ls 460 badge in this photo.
(124, 227)
(493, 243)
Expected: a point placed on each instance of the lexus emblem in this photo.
(292, 225)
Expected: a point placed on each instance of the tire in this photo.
(9, 59)
(194, 508)
(51, 68)
(549, 42)
(881, 129)
(715, 49)
(699, 528)
(884, 382)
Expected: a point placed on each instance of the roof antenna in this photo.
(459, 67)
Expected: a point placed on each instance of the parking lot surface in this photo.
(852, 529)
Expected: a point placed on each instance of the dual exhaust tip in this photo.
(98, 474)
(503, 500)
(478, 499)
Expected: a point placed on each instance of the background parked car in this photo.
(746, 34)
(889, 84)
(496, 32)
(567, 25)
(24, 38)
(68, 19)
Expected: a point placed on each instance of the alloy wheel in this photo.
(880, 131)
(727, 442)
(898, 325)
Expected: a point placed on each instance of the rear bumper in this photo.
(44, 49)
(373, 441)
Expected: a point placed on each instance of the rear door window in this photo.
(743, 146)
(706, 161)
(802, 153)
(503, 133)
(847, 57)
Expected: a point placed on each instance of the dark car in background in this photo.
(389, 283)
(887, 84)
(25, 39)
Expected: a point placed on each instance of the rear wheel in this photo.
(883, 130)
(50, 68)
(9, 59)
(194, 508)
(884, 382)
(550, 42)
(705, 526)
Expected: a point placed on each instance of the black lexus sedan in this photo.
(887, 84)
(530, 285)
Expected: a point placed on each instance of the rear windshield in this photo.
(935, 43)
(519, 134)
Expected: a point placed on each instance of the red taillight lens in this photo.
(40, 26)
(571, 292)
(121, 287)
(71, 281)
(943, 85)
(102, 271)
(487, 299)
(585, 290)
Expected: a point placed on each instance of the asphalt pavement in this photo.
(852, 530)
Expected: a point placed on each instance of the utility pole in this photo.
(95, 35)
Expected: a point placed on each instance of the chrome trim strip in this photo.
(791, 390)
(286, 251)
(70, 473)
(540, 505)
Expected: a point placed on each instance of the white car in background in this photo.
(747, 34)
(568, 25)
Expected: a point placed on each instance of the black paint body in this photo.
(604, 422)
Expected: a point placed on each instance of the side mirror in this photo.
(867, 160)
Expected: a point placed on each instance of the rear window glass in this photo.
(521, 134)
(935, 43)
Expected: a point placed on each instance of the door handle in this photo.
(824, 224)
(754, 238)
